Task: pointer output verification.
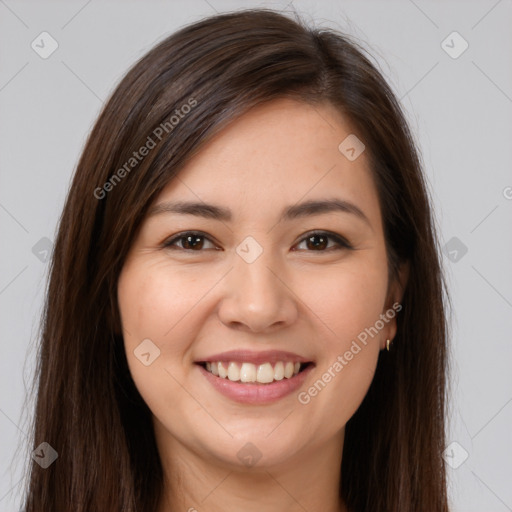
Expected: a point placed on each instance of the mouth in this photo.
(236, 383)
(250, 373)
(255, 378)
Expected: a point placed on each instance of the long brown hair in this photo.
(88, 408)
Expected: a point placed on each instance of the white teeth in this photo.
(247, 372)
(288, 369)
(223, 372)
(279, 371)
(265, 373)
(233, 372)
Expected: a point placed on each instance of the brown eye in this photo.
(319, 242)
(190, 241)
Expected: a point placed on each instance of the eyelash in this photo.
(342, 243)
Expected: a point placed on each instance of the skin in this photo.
(311, 301)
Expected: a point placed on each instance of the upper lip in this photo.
(248, 356)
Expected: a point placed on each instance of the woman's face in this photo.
(255, 289)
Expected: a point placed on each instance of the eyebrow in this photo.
(300, 210)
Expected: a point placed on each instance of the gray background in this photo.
(460, 110)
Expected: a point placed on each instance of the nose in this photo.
(256, 296)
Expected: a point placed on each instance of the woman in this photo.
(245, 307)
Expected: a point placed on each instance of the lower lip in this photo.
(254, 393)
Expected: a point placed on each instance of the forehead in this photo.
(278, 153)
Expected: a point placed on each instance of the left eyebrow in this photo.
(309, 208)
(304, 209)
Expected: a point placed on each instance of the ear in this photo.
(393, 305)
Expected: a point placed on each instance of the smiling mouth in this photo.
(249, 373)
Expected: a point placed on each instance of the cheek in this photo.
(348, 304)
(154, 302)
(348, 299)
(153, 306)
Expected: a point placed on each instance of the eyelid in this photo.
(340, 240)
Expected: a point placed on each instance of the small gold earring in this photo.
(388, 342)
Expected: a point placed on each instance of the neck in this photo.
(309, 481)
